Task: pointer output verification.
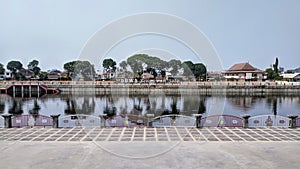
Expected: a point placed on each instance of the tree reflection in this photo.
(16, 108)
(2, 107)
(74, 107)
(202, 107)
(71, 106)
(173, 107)
(110, 110)
(272, 103)
(36, 108)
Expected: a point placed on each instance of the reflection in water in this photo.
(140, 105)
(36, 108)
(16, 107)
(82, 105)
(2, 106)
(243, 103)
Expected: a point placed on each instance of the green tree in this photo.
(272, 74)
(33, 66)
(188, 68)
(200, 71)
(80, 70)
(13, 66)
(43, 75)
(275, 66)
(123, 65)
(70, 67)
(2, 70)
(109, 65)
(175, 65)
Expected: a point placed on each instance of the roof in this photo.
(243, 67)
(289, 75)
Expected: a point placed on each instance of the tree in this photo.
(109, 65)
(13, 66)
(33, 66)
(200, 71)
(69, 67)
(123, 65)
(272, 74)
(175, 65)
(2, 70)
(188, 68)
(275, 66)
(43, 75)
(84, 70)
(80, 70)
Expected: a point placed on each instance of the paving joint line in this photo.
(213, 134)
(36, 136)
(64, 134)
(289, 132)
(250, 135)
(269, 134)
(122, 133)
(58, 130)
(190, 134)
(201, 134)
(133, 133)
(101, 131)
(289, 139)
(111, 132)
(179, 136)
(167, 134)
(226, 135)
(87, 133)
(236, 134)
(15, 136)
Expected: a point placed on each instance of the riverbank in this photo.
(201, 88)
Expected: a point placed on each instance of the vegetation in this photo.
(272, 73)
(80, 70)
(33, 66)
(2, 69)
(13, 66)
(197, 70)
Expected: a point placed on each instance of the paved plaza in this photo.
(135, 148)
(144, 134)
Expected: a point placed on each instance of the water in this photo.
(153, 104)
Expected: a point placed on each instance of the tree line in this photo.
(134, 66)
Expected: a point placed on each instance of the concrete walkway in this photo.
(137, 155)
(140, 148)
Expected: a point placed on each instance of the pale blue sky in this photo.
(55, 31)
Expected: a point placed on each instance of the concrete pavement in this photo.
(137, 155)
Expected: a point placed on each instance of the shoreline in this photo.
(199, 88)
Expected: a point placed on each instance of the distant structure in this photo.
(244, 72)
(291, 77)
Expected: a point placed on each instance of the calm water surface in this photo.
(155, 104)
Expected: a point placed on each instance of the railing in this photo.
(79, 120)
(31, 120)
(173, 120)
(268, 121)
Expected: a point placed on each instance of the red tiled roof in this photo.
(242, 67)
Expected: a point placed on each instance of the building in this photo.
(28, 74)
(291, 77)
(244, 72)
(6, 75)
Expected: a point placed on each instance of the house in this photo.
(54, 74)
(291, 77)
(6, 75)
(28, 74)
(244, 72)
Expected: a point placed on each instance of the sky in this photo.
(57, 31)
